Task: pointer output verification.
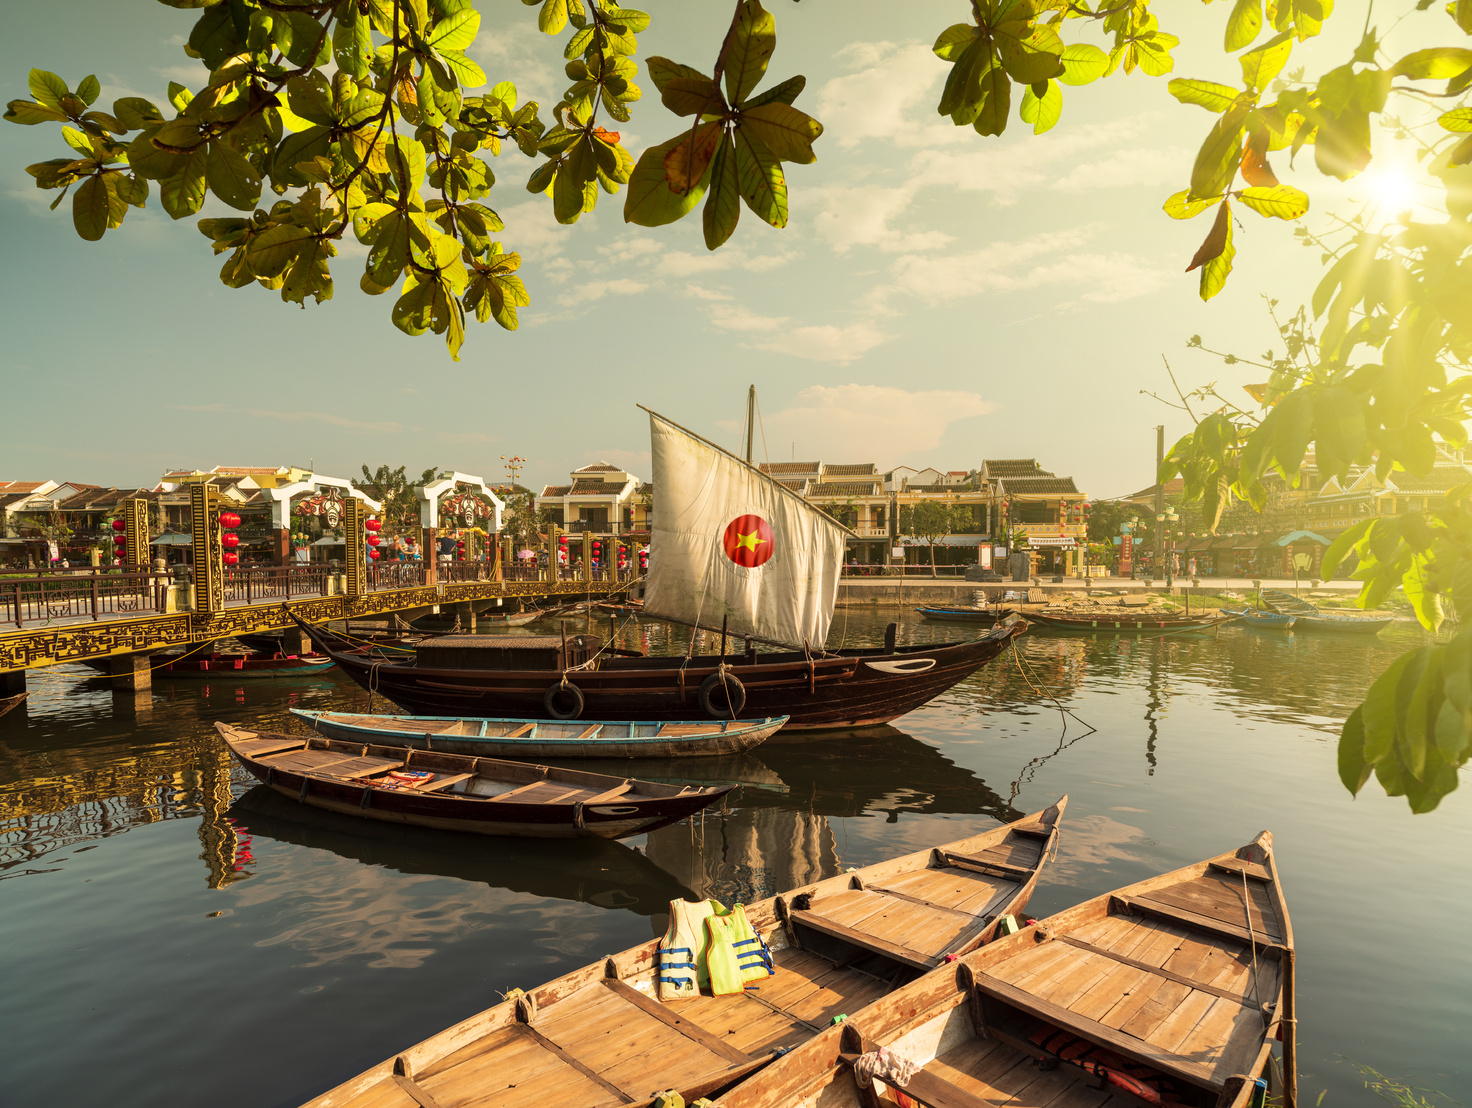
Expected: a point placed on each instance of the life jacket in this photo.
(1138, 1080)
(735, 954)
(681, 955)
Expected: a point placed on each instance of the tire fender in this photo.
(563, 700)
(735, 694)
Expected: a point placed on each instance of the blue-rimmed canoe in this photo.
(1262, 620)
(541, 738)
(948, 614)
(1124, 622)
(236, 666)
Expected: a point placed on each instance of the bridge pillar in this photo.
(204, 529)
(13, 682)
(465, 613)
(132, 672)
(354, 514)
(281, 546)
(295, 641)
(431, 555)
(137, 556)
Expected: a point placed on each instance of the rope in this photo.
(888, 1065)
(1252, 942)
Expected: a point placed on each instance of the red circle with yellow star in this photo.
(749, 541)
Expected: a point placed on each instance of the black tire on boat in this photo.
(563, 700)
(735, 695)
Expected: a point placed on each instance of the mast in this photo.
(750, 419)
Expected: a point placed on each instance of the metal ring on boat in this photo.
(563, 700)
(735, 695)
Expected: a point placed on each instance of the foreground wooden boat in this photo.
(483, 795)
(9, 702)
(1139, 622)
(1169, 991)
(530, 738)
(234, 665)
(599, 1037)
(946, 614)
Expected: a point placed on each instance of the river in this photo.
(172, 933)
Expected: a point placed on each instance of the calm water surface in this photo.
(170, 933)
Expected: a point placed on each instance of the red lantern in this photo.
(373, 554)
(230, 558)
(229, 520)
(374, 540)
(119, 525)
(229, 539)
(120, 540)
(371, 525)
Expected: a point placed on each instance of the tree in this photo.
(522, 524)
(933, 520)
(359, 150)
(400, 499)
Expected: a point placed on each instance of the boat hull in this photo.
(9, 702)
(1348, 626)
(965, 615)
(853, 688)
(423, 733)
(1123, 626)
(1262, 621)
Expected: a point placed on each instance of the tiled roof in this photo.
(585, 486)
(246, 471)
(940, 488)
(784, 469)
(957, 472)
(860, 469)
(1174, 485)
(599, 467)
(1439, 479)
(1014, 467)
(556, 490)
(20, 486)
(1035, 486)
(795, 486)
(846, 488)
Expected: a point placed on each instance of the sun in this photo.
(1392, 189)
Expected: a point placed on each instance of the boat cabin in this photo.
(518, 652)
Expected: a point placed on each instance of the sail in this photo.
(729, 543)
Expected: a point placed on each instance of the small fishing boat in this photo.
(9, 702)
(600, 1036)
(451, 792)
(251, 665)
(1171, 991)
(1310, 617)
(965, 615)
(1124, 621)
(1261, 618)
(532, 738)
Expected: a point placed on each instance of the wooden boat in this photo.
(483, 795)
(270, 642)
(598, 1037)
(1170, 991)
(1124, 621)
(1310, 617)
(1262, 619)
(9, 702)
(518, 676)
(966, 615)
(531, 738)
(234, 665)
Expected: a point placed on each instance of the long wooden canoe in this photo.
(599, 1037)
(1172, 990)
(1125, 622)
(233, 666)
(531, 738)
(482, 795)
(9, 702)
(965, 615)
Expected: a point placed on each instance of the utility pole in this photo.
(750, 420)
(1159, 503)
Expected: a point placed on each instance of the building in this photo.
(599, 498)
(44, 523)
(1045, 508)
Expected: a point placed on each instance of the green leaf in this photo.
(1083, 63)
(553, 17)
(1219, 157)
(723, 204)
(1354, 771)
(29, 113)
(955, 40)
(786, 131)
(270, 252)
(1042, 112)
(1432, 64)
(1243, 24)
(1278, 201)
(1457, 120)
(760, 180)
(1339, 430)
(231, 177)
(1261, 65)
(182, 192)
(1215, 270)
(1341, 546)
(748, 49)
(1153, 53)
(48, 89)
(1380, 711)
(466, 71)
(1029, 53)
(692, 96)
(179, 135)
(631, 19)
(134, 111)
(662, 71)
(456, 31)
(650, 202)
(996, 100)
(90, 209)
(785, 93)
(310, 44)
(1180, 207)
(1210, 95)
(89, 90)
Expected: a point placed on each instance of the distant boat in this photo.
(1171, 991)
(531, 738)
(451, 792)
(966, 615)
(9, 702)
(1125, 622)
(1310, 617)
(1260, 618)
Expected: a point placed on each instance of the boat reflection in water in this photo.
(600, 872)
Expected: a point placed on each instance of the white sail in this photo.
(729, 543)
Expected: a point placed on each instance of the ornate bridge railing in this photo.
(32, 600)
(258, 583)
(395, 575)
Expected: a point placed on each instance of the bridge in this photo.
(128, 613)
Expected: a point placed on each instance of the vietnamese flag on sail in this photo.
(749, 541)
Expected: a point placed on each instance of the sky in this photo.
(937, 298)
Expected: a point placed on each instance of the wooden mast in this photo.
(750, 419)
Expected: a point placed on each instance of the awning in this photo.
(1303, 536)
(948, 540)
(1061, 542)
(172, 538)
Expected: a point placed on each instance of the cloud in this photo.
(1055, 260)
(681, 263)
(821, 343)
(630, 461)
(841, 423)
(893, 81)
(519, 48)
(532, 230)
(700, 292)
(862, 215)
(387, 427)
(597, 290)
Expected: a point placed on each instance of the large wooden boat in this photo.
(452, 792)
(9, 702)
(1124, 621)
(1171, 991)
(230, 664)
(476, 676)
(533, 738)
(965, 615)
(599, 1037)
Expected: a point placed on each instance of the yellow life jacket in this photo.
(735, 953)
(681, 956)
